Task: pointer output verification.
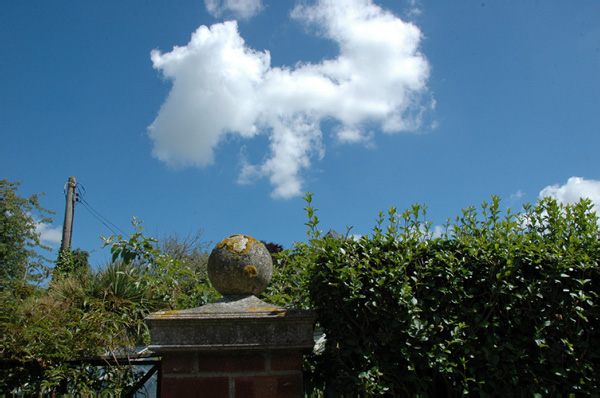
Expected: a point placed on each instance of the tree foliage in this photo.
(20, 261)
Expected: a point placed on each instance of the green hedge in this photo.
(499, 304)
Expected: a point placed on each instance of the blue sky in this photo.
(166, 112)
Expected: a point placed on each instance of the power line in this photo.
(105, 221)
(100, 217)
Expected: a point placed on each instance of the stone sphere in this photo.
(240, 265)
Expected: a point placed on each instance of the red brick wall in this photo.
(271, 374)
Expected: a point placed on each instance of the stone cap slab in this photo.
(234, 322)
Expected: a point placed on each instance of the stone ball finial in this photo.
(240, 265)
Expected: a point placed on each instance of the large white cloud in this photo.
(215, 90)
(221, 86)
(575, 189)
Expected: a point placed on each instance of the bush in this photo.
(497, 304)
(46, 334)
(43, 333)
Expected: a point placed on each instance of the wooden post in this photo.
(69, 214)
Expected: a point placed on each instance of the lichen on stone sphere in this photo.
(240, 265)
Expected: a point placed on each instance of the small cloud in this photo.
(414, 12)
(48, 235)
(414, 9)
(516, 196)
(356, 237)
(240, 9)
(353, 135)
(575, 189)
(438, 231)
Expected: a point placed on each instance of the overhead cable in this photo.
(99, 216)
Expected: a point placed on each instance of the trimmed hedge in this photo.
(499, 304)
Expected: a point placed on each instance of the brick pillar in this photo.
(233, 374)
(237, 347)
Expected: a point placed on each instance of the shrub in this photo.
(46, 334)
(43, 333)
(498, 304)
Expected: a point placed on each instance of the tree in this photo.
(272, 247)
(20, 261)
(191, 251)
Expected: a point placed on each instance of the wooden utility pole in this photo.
(69, 214)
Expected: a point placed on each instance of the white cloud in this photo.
(575, 189)
(49, 235)
(414, 10)
(438, 231)
(214, 90)
(221, 87)
(516, 196)
(241, 9)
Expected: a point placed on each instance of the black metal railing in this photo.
(141, 359)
